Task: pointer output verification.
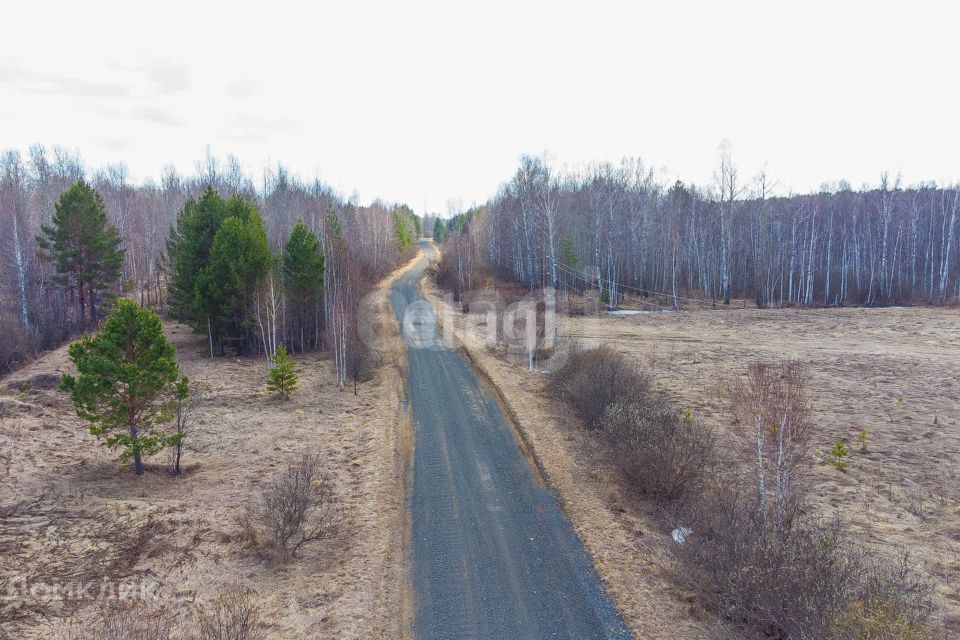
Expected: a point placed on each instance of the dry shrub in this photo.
(775, 422)
(447, 275)
(660, 453)
(231, 616)
(121, 621)
(806, 580)
(893, 601)
(18, 344)
(363, 357)
(592, 380)
(299, 506)
(756, 559)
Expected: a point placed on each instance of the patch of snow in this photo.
(680, 534)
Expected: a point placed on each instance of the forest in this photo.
(248, 264)
(621, 230)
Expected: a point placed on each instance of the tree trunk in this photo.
(137, 459)
(93, 305)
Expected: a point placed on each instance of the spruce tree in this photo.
(188, 253)
(210, 285)
(85, 252)
(303, 264)
(127, 382)
(282, 378)
(239, 258)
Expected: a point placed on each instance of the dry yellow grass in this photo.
(894, 372)
(181, 533)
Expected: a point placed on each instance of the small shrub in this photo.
(131, 620)
(18, 344)
(298, 507)
(594, 379)
(231, 616)
(660, 452)
(806, 580)
(282, 378)
(838, 455)
(890, 601)
(862, 439)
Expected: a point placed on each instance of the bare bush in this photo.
(300, 506)
(803, 580)
(363, 358)
(122, 621)
(661, 453)
(774, 414)
(893, 601)
(186, 403)
(592, 380)
(231, 616)
(18, 344)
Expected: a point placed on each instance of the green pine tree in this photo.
(438, 230)
(86, 253)
(401, 230)
(838, 455)
(303, 264)
(568, 252)
(239, 258)
(127, 382)
(188, 253)
(282, 377)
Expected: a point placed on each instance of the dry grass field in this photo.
(894, 372)
(68, 515)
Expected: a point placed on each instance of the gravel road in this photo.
(493, 555)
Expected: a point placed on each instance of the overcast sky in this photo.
(421, 102)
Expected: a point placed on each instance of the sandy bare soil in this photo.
(67, 514)
(895, 372)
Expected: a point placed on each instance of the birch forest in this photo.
(293, 272)
(620, 231)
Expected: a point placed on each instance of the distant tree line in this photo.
(618, 231)
(249, 267)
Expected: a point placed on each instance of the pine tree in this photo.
(282, 378)
(838, 455)
(401, 231)
(239, 258)
(211, 282)
(406, 226)
(126, 383)
(188, 253)
(86, 252)
(303, 264)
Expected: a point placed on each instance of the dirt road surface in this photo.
(493, 554)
